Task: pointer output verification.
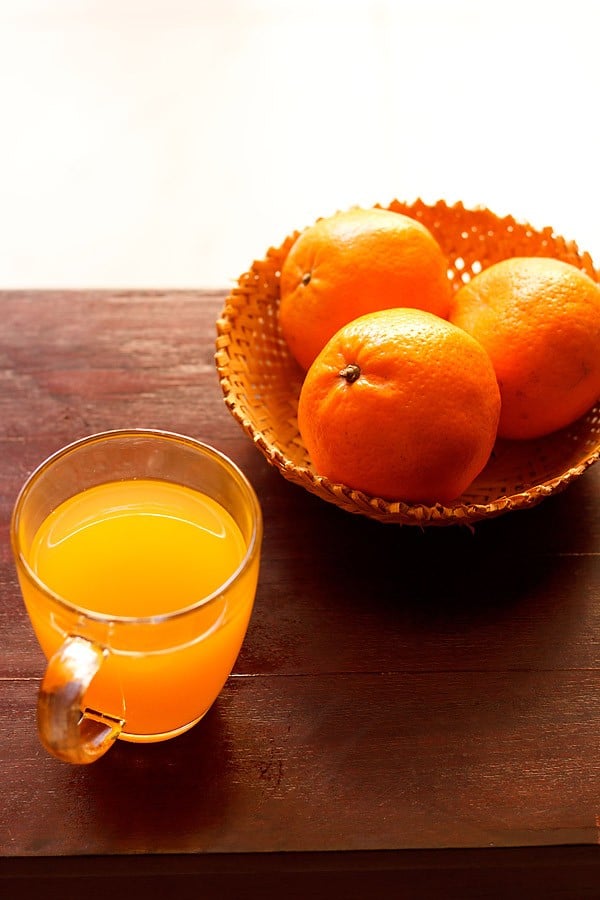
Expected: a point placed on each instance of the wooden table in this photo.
(412, 711)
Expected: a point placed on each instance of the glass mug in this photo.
(137, 553)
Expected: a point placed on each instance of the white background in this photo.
(168, 143)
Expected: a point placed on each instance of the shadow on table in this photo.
(362, 596)
(155, 798)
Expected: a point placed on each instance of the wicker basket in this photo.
(261, 382)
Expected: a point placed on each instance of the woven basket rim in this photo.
(400, 511)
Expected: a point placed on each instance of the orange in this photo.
(402, 405)
(353, 263)
(539, 320)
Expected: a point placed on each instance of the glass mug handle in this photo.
(68, 731)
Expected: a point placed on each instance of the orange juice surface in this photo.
(145, 548)
(137, 548)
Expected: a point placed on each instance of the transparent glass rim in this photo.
(103, 618)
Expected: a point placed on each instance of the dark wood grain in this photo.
(407, 703)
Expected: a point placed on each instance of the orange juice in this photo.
(160, 555)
